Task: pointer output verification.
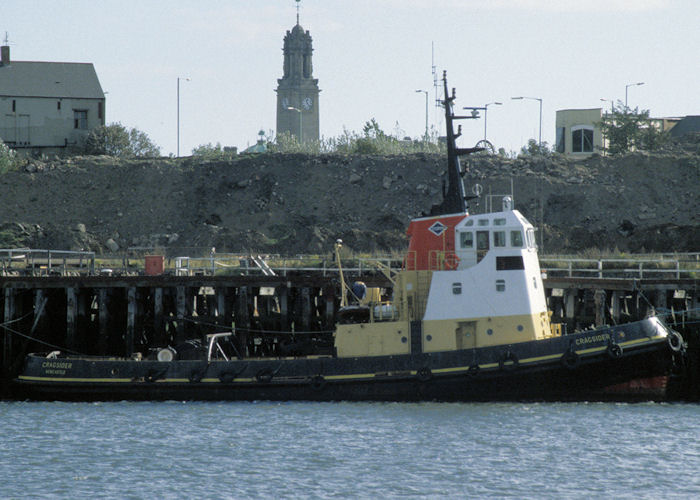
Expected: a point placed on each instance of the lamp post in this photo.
(486, 108)
(426, 113)
(534, 99)
(631, 85)
(178, 113)
(301, 130)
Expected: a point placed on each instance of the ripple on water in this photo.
(423, 450)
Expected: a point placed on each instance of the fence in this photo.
(33, 262)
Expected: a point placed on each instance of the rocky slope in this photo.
(292, 204)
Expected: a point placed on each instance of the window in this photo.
(499, 238)
(14, 105)
(470, 222)
(483, 222)
(511, 263)
(500, 285)
(482, 240)
(516, 239)
(80, 119)
(466, 239)
(582, 139)
(561, 144)
(499, 222)
(99, 110)
(531, 238)
(58, 105)
(456, 288)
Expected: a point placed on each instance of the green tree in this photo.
(626, 129)
(116, 140)
(533, 148)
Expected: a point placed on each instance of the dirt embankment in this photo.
(292, 204)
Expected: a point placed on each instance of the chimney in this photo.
(5, 54)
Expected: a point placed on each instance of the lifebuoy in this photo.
(509, 361)
(264, 375)
(318, 382)
(614, 350)
(424, 374)
(675, 341)
(196, 375)
(153, 374)
(571, 359)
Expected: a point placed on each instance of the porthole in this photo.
(428, 338)
(520, 328)
(489, 331)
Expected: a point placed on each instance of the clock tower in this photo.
(297, 90)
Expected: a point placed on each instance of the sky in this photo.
(370, 57)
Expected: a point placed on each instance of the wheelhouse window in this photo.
(499, 238)
(80, 119)
(482, 240)
(483, 222)
(466, 239)
(531, 238)
(499, 222)
(516, 239)
(500, 285)
(582, 139)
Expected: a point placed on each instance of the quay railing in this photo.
(37, 262)
(32, 262)
(662, 266)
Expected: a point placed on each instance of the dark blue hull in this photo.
(627, 362)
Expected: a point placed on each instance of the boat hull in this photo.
(623, 363)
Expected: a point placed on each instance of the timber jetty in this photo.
(60, 301)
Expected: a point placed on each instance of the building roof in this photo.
(687, 125)
(50, 79)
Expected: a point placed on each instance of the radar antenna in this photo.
(454, 199)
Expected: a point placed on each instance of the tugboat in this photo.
(467, 321)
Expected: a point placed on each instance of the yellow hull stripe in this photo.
(354, 376)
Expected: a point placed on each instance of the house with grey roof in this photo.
(48, 107)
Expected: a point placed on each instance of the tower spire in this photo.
(298, 1)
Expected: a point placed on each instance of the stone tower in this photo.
(297, 90)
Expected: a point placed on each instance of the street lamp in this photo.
(178, 113)
(631, 85)
(426, 112)
(534, 99)
(486, 108)
(301, 130)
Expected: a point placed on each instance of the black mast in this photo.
(454, 200)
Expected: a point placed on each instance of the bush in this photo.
(116, 140)
(372, 141)
(211, 152)
(8, 158)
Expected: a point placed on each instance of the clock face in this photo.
(307, 102)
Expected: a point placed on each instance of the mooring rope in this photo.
(58, 348)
